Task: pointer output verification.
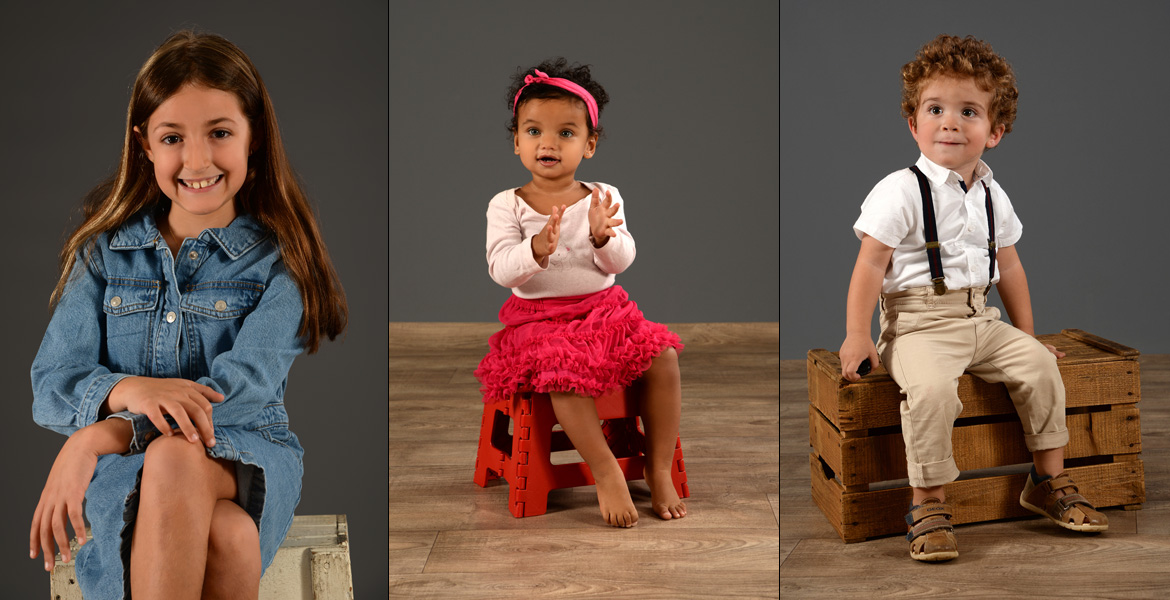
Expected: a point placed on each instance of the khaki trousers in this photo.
(927, 341)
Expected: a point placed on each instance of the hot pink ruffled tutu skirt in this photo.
(585, 345)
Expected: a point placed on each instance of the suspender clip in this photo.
(940, 288)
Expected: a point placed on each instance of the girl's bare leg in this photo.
(233, 555)
(578, 416)
(659, 392)
(180, 487)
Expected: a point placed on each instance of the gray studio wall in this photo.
(67, 70)
(690, 142)
(1084, 165)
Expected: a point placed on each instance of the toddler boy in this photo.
(934, 238)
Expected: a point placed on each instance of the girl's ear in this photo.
(516, 143)
(145, 144)
(591, 146)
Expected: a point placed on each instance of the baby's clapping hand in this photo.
(601, 221)
(545, 242)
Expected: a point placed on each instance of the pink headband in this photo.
(560, 82)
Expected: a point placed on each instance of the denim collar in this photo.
(240, 236)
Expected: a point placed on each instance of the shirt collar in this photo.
(141, 231)
(942, 175)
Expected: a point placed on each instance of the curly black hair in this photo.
(556, 67)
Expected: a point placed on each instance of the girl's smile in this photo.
(198, 141)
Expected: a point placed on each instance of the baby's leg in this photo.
(233, 554)
(660, 395)
(180, 487)
(578, 416)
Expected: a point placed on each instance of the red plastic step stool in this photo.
(523, 456)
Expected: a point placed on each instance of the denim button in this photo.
(220, 305)
(116, 301)
(192, 255)
(171, 317)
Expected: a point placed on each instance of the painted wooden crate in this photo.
(311, 564)
(858, 454)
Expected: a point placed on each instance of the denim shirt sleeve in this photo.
(68, 379)
(252, 374)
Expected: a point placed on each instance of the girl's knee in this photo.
(665, 364)
(173, 461)
(172, 455)
(233, 532)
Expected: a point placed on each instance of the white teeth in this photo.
(198, 185)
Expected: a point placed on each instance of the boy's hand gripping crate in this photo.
(857, 448)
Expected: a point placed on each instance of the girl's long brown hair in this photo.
(270, 192)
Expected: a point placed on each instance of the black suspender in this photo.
(990, 232)
(930, 229)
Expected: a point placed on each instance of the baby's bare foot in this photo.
(617, 508)
(664, 500)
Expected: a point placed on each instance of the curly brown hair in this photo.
(948, 55)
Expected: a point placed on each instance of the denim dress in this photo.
(224, 313)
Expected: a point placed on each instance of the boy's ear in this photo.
(913, 127)
(145, 144)
(996, 135)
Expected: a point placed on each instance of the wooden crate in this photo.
(858, 454)
(311, 564)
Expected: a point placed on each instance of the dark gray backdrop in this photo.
(1084, 164)
(690, 141)
(67, 70)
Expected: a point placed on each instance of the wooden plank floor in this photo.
(1020, 558)
(449, 538)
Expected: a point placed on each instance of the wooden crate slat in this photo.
(862, 515)
(881, 457)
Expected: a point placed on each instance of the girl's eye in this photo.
(171, 139)
(220, 134)
(566, 133)
(533, 131)
(935, 110)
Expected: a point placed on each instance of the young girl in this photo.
(195, 279)
(569, 331)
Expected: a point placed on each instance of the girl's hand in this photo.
(545, 242)
(601, 221)
(187, 402)
(61, 499)
(854, 350)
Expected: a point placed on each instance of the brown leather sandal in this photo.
(1071, 511)
(931, 536)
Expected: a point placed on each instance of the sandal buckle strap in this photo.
(1070, 500)
(923, 511)
(928, 526)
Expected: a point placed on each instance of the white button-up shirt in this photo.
(892, 214)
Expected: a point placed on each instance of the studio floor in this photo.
(450, 538)
(1018, 558)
